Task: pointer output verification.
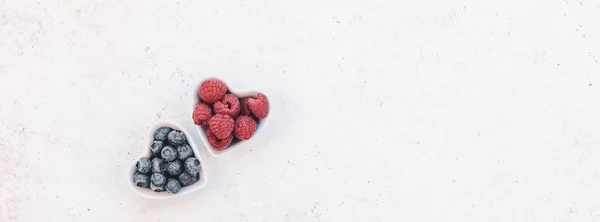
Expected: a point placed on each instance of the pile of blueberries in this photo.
(171, 166)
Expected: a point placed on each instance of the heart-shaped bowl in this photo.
(236, 144)
(148, 193)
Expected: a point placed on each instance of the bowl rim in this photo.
(148, 193)
(238, 93)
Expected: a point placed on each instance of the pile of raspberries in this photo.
(225, 116)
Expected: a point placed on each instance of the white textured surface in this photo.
(461, 110)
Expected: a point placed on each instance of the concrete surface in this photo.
(387, 110)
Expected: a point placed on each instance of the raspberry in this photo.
(216, 143)
(202, 114)
(245, 111)
(221, 125)
(212, 90)
(229, 105)
(244, 127)
(259, 106)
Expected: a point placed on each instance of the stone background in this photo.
(383, 110)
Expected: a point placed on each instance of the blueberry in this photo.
(185, 151)
(195, 178)
(143, 165)
(157, 188)
(161, 133)
(173, 186)
(141, 180)
(186, 179)
(158, 179)
(156, 147)
(176, 138)
(174, 168)
(192, 165)
(158, 165)
(168, 153)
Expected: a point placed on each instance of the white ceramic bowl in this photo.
(147, 192)
(236, 144)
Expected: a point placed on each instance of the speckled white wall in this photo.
(385, 110)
